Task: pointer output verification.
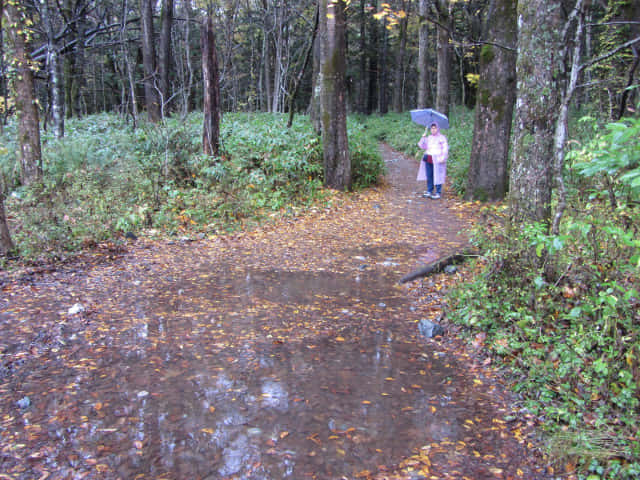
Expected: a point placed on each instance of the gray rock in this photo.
(450, 269)
(429, 329)
(75, 309)
(24, 403)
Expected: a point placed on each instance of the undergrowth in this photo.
(562, 311)
(105, 179)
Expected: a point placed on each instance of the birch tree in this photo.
(53, 69)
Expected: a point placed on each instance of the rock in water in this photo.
(429, 329)
(77, 308)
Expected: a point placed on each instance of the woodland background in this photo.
(193, 118)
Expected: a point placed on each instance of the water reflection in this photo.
(248, 374)
(322, 408)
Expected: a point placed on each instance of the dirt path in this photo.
(286, 352)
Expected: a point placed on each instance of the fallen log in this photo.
(439, 265)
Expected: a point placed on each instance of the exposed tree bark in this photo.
(53, 69)
(374, 65)
(3, 88)
(362, 89)
(279, 54)
(151, 97)
(531, 176)
(398, 81)
(127, 66)
(186, 70)
(444, 56)
(6, 244)
(315, 107)
(25, 103)
(211, 85)
(164, 55)
(296, 82)
(266, 90)
(337, 164)
(572, 52)
(383, 91)
(488, 166)
(423, 56)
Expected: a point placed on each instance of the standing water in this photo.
(289, 354)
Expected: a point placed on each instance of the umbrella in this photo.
(427, 116)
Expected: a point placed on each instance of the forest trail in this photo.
(290, 351)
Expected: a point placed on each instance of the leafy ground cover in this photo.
(105, 179)
(560, 312)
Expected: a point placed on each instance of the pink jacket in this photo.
(438, 147)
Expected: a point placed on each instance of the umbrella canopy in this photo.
(427, 116)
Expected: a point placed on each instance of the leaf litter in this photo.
(289, 351)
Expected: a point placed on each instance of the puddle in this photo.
(227, 373)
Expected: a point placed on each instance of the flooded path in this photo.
(287, 352)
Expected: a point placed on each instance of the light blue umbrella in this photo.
(428, 116)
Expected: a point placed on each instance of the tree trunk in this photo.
(488, 179)
(151, 96)
(398, 82)
(278, 58)
(164, 59)
(53, 69)
(211, 87)
(423, 56)
(531, 176)
(296, 82)
(444, 58)
(6, 245)
(315, 107)
(383, 91)
(362, 90)
(372, 84)
(3, 88)
(25, 104)
(337, 164)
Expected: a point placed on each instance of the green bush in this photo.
(104, 178)
(562, 312)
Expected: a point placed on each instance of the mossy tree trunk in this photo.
(337, 164)
(488, 179)
(539, 73)
(6, 245)
(25, 100)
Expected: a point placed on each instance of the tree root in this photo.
(439, 265)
